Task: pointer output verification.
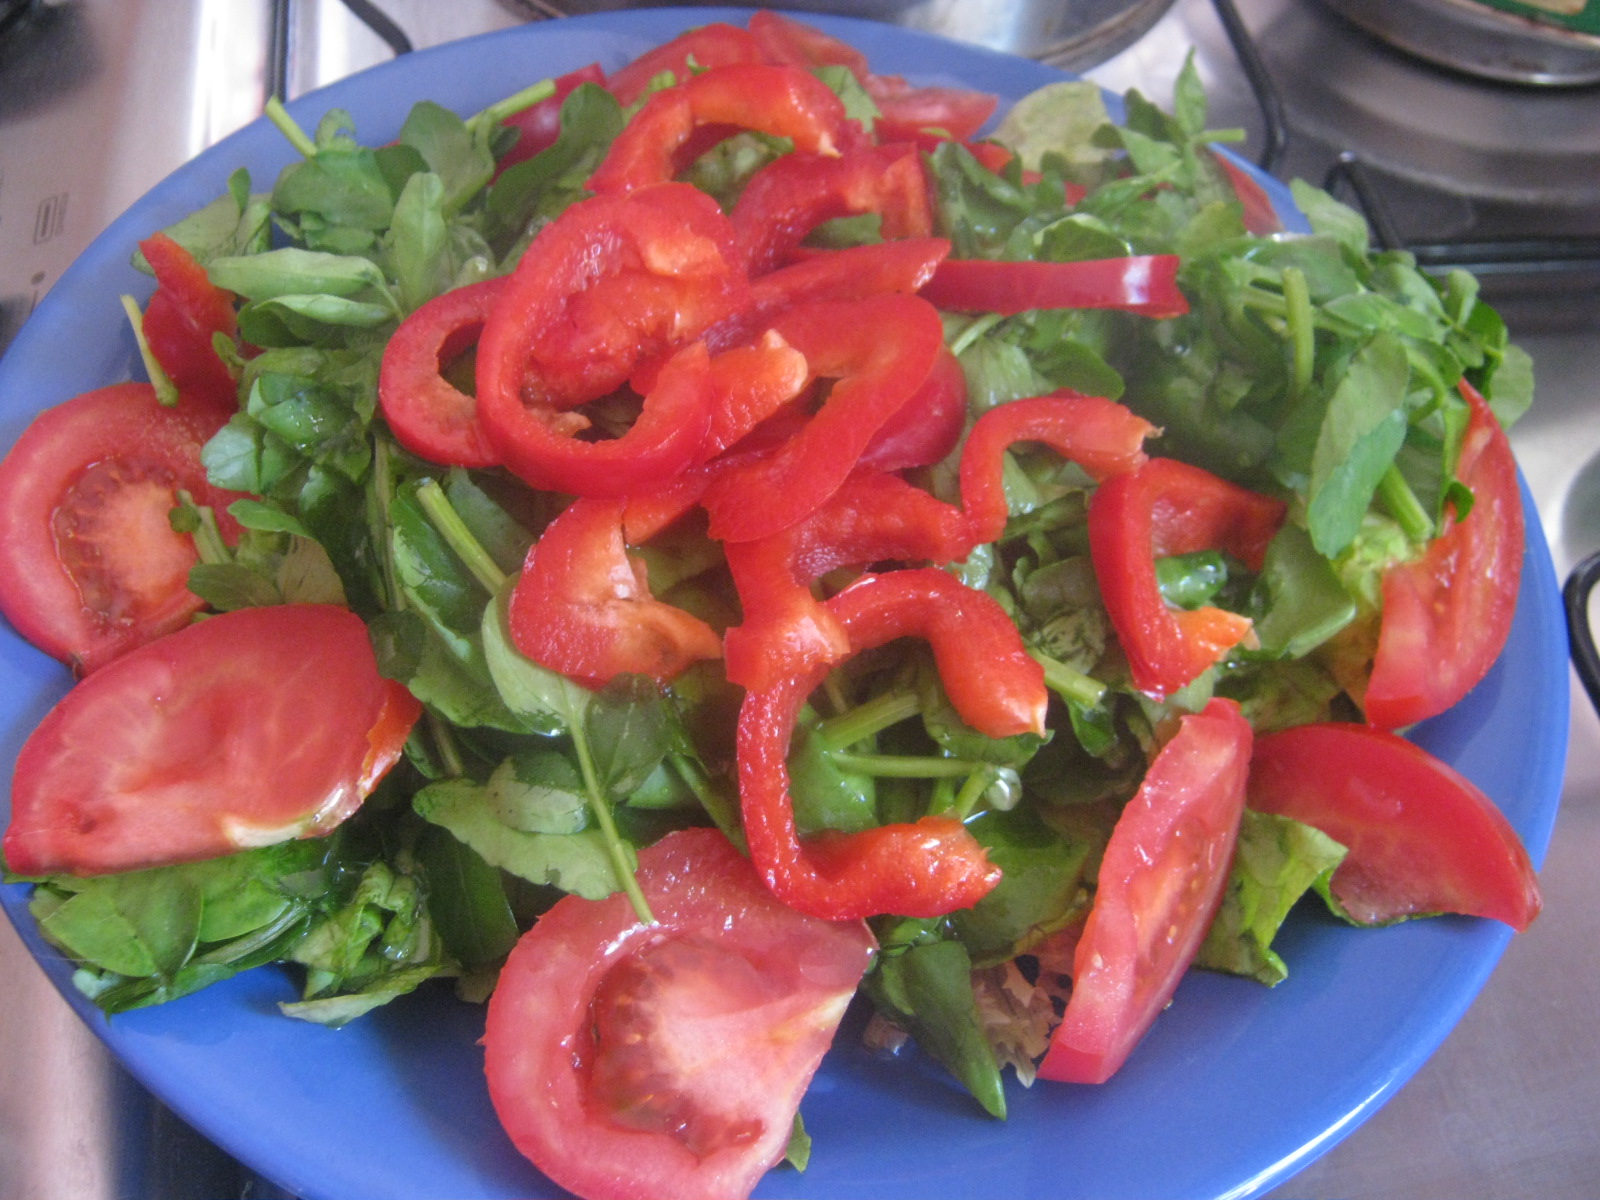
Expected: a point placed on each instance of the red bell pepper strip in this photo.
(748, 385)
(717, 44)
(873, 517)
(1144, 284)
(933, 866)
(792, 195)
(583, 607)
(784, 40)
(1168, 507)
(879, 351)
(183, 315)
(777, 100)
(539, 124)
(428, 414)
(1258, 212)
(927, 426)
(1101, 436)
(612, 282)
(1446, 616)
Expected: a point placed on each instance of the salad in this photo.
(1173, 504)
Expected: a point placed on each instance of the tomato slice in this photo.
(1447, 615)
(632, 1061)
(1160, 883)
(89, 564)
(539, 125)
(1421, 837)
(246, 729)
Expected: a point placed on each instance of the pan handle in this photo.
(1580, 634)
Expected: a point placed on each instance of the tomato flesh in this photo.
(89, 565)
(632, 1061)
(1421, 837)
(1160, 883)
(246, 729)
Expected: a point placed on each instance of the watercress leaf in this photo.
(824, 794)
(539, 791)
(230, 586)
(542, 698)
(266, 517)
(461, 161)
(1058, 119)
(338, 1010)
(1330, 218)
(292, 271)
(576, 862)
(466, 899)
(1040, 891)
(630, 732)
(418, 241)
(591, 118)
(1360, 435)
(1301, 600)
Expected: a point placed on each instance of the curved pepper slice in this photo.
(427, 413)
(583, 607)
(1144, 284)
(1101, 436)
(879, 351)
(792, 195)
(873, 517)
(1169, 507)
(181, 318)
(778, 100)
(935, 865)
(717, 44)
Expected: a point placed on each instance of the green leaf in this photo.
(576, 862)
(1277, 861)
(630, 733)
(459, 160)
(1041, 886)
(466, 900)
(539, 791)
(1361, 433)
(544, 699)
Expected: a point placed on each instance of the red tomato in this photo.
(1447, 615)
(428, 414)
(1160, 883)
(1421, 837)
(905, 111)
(634, 1062)
(785, 40)
(246, 729)
(89, 564)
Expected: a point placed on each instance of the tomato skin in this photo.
(427, 414)
(125, 771)
(718, 1069)
(89, 566)
(1422, 838)
(905, 111)
(539, 125)
(1160, 882)
(1447, 615)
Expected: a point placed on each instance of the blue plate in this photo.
(1235, 1088)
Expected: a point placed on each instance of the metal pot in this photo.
(1075, 34)
(1480, 40)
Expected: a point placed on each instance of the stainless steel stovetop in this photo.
(99, 99)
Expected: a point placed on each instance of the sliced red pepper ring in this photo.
(582, 606)
(926, 427)
(181, 318)
(1103, 437)
(792, 195)
(935, 865)
(879, 351)
(1143, 284)
(717, 44)
(873, 517)
(1163, 508)
(1446, 616)
(613, 282)
(428, 414)
(778, 100)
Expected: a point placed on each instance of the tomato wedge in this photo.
(1447, 615)
(1422, 838)
(633, 1062)
(90, 566)
(1160, 883)
(249, 728)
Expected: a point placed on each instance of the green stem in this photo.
(608, 826)
(971, 792)
(906, 766)
(515, 103)
(444, 741)
(166, 390)
(279, 116)
(382, 494)
(1302, 330)
(1401, 503)
(864, 720)
(722, 811)
(208, 543)
(964, 340)
(458, 537)
(1068, 683)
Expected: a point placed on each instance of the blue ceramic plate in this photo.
(1237, 1086)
